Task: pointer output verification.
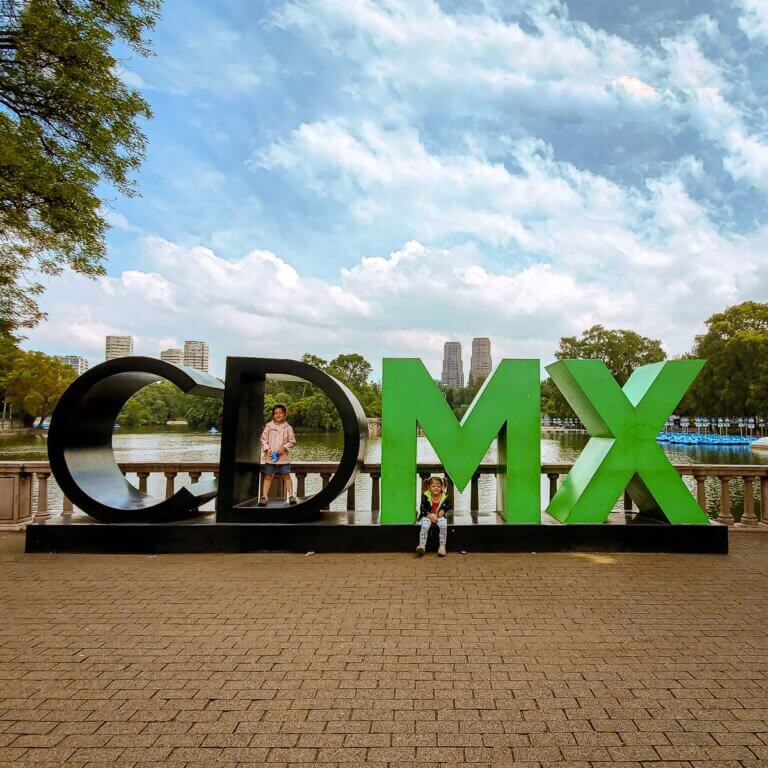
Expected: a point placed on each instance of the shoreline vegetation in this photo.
(734, 383)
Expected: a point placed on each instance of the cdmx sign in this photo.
(621, 454)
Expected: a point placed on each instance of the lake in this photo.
(176, 444)
(179, 444)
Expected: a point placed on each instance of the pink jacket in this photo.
(274, 437)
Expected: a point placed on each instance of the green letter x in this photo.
(622, 452)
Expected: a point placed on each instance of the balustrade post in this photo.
(627, 502)
(424, 477)
(143, 481)
(194, 477)
(451, 493)
(375, 492)
(701, 491)
(67, 508)
(749, 518)
(725, 515)
(764, 501)
(474, 496)
(326, 478)
(42, 513)
(351, 498)
(553, 478)
(169, 483)
(301, 478)
(24, 497)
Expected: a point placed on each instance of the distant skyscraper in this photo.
(119, 346)
(77, 363)
(196, 355)
(173, 355)
(481, 365)
(453, 367)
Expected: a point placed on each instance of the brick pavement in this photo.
(488, 660)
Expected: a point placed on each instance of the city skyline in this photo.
(173, 355)
(118, 346)
(77, 363)
(453, 365)
(195, 353)
(481, 363)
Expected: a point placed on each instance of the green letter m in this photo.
(507, 407)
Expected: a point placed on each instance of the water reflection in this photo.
(180, 445)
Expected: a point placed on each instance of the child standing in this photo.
(276, 440)
(434, 506)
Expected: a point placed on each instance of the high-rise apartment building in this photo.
(173, 355)
(480, 366)
(196, 355)
(453, 367)
(78, 364)
(119, 346)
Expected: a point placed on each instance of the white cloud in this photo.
(390, 175)
(130, 78)
(552, 64)
(657, 264)
(635, 87)
(436, 148)
(413, 61)
(705, 85)
(753, 20)
(153, 288)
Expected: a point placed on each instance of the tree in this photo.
(316, 412)
(67, 123)
(553, 404)
(622, 351)
(161, 402)
(8, 354)
(311, 359)
(205, 413)
(36, 382)
(353, 370)
(734, 381)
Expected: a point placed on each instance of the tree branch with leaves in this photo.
(68, 122)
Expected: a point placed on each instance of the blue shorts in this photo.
(271, 469)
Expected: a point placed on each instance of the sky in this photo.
(380, 176)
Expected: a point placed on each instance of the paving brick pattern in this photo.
(485, 660)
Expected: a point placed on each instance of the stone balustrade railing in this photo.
(24, 486)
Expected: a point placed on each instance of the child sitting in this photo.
(434, 506)
(276, 440)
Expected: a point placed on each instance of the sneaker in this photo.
(263, 501)
(291, 499)
(441, 551)
(420, 551)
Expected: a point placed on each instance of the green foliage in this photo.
(459, 398)
(622, 351)
(67, 123)
(9, 351)
(735, 379)
(156, 404)
(34, 382)
(204, 413)
(553, 403)
(308, 407)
